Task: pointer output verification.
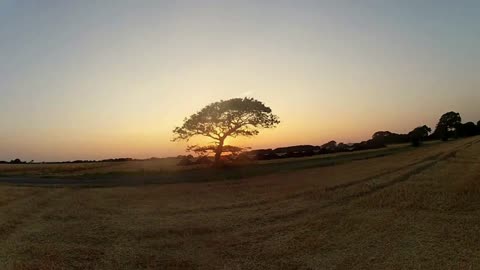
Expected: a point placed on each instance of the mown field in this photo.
(409, 209)
(166, 170)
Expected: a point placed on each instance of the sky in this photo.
(101, 79)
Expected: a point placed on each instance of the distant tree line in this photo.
(311, 150)
(14, 161)
(19, 161)
(449, 126)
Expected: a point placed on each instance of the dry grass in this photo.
(153, 165)
(75, 169)
(412, 210)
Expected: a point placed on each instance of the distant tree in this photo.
(296, 148)
(447, 124)
(17, 161)
(419, 134)
(227, 118)
(387, 137)
(468, 129)
(330, 146)
(478, 127)
(370, 144)
(342, 147)
(381, 134)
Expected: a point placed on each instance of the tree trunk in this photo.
(218, 152)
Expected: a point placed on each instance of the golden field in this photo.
(159, 166)
(75, 169)
(414, 209)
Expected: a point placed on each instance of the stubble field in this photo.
(416, 209)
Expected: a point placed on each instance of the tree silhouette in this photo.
(387, 137)
(227, 118)
(419, 134)
(468, 129)
(17, 161)
(331, 145)
(381, 134)
(447, 124)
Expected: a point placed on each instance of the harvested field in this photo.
(416, 209)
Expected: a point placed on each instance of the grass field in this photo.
(161, 171)
(403, 208)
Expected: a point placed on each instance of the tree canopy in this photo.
(418, 134)
(447, 124)
(387, 137)
(466, 130)
(227, 118)
(421, 132)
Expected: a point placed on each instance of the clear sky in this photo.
(99, 79)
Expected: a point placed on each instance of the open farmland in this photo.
(165, 170)
(412, 209)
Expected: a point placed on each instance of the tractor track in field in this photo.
(30, 209)
(411, 169)
(430, 159)
(361, 184)
(364, 180)
(349, 198)
(267, 202)
(428, 163)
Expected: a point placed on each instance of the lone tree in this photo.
(227, 118)
(447, 124)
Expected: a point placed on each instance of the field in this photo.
(399, 208)
(161, 171)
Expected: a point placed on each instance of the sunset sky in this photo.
(102, 79)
